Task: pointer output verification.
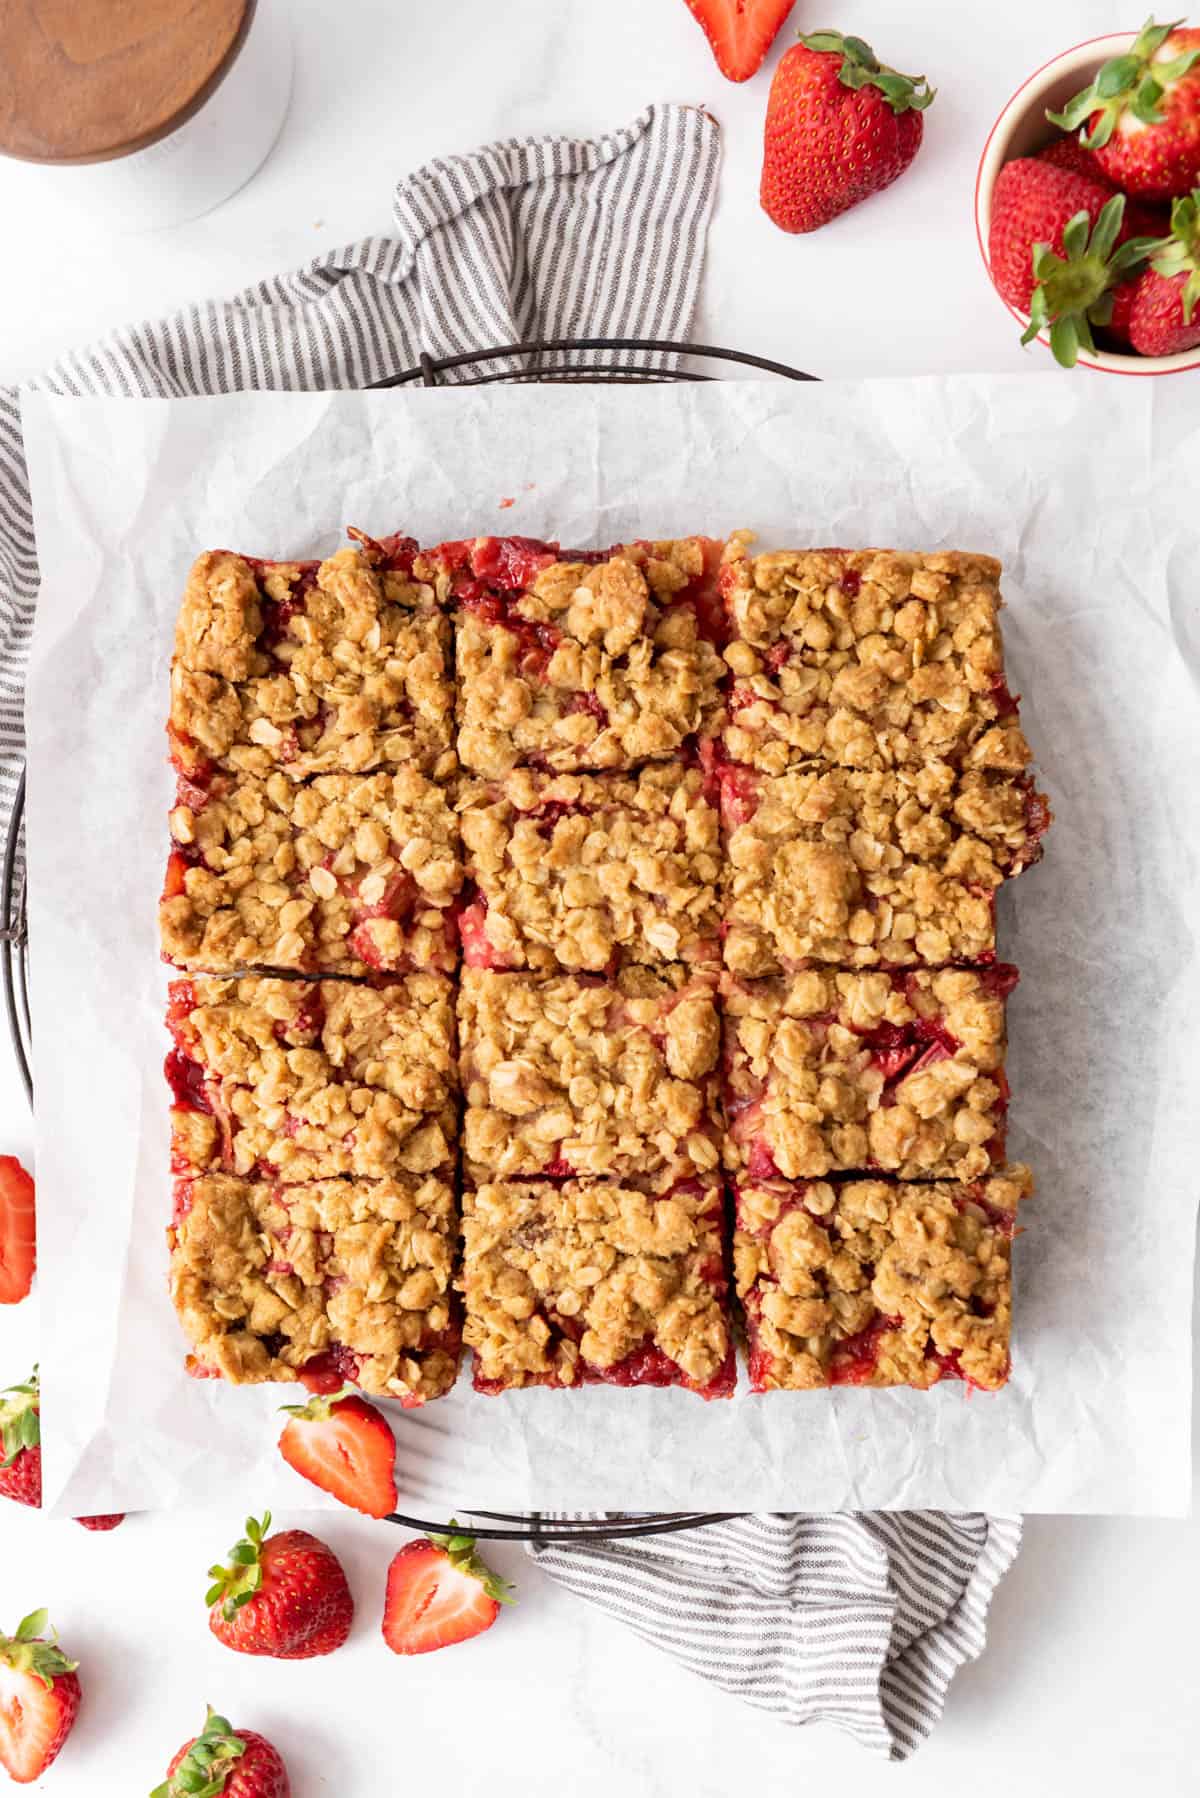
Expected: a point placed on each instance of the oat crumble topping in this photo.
(869, 1283)
(576, 1280)
(840, 1072)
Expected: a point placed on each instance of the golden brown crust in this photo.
(346, 874)
(310, 1080)
(867, 658)
(592, 666)
(341, 667)
(595, 1077)
(581, 871)
(265, 1278)
(829, 1073)
(566, 1280)
(832, 865)
(870, 1283)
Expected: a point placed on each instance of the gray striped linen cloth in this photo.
(859, 1620)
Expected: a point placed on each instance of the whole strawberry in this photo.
(840, 127)
(284, 1595)
(1165, 315)
(1142, 114)
(226, 1762)
(1058, 247)
(39, 1696)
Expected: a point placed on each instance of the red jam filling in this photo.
(649, 1366)
(185, 1077)
(308, 1022)
(1005, 703)
(589, 702)
(338, 1366)
(394, 554)
(854, 1360)
(850, 582)
(739, 793)
(511, 562)
(477, 948)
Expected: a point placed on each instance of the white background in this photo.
(1091, 1675)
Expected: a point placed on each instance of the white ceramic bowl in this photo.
(1021, 130)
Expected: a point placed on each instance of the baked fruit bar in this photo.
(341, 666)
(898, 869)
(297, 1080)
(350, 1278)
(574, 1074)
(598, 661)
(568, 1282)
(346, 874)
(839, 1072)
(875, 1283)
(867, 658)
(590, 871)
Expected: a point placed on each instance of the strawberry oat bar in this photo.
(875, 1283)
(574, 1074)
(867, 659)
(598, 661)
(896, 869)
(590, 871)
(836, 1072)
(343, 875)
(575, 1281)
(348, 1277)
(300, 1080)
(312, 668)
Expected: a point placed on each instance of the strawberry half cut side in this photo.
(345, 1446)
(1074, 291)
(18, 1231)
(39, 1696)
(740, 31)
(440, 1593)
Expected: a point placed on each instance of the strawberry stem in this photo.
(1134, 80)
(205, 1768)
(19, 1425)
(236, 1585)
(862, 68)
(460, 1551)
(30, 1649)
(1179, 254)
(1074, 291)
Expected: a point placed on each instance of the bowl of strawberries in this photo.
(1087, 203)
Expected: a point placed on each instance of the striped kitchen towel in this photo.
(860, 1620)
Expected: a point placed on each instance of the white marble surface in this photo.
(1089, 1683)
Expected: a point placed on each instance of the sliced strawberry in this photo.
(740, 31)
(346, 1447)
(438, 1593)
(39, 1696)
(18, 1233)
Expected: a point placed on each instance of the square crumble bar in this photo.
(583, 1281)
(831, 1073)
(870, 1283)
(867, 658)
(579, 1075)
(344, 875)
(589, 871)
(589, 662)
(894, 869)
(341, 666)
(302, 1080)
(351, 1278)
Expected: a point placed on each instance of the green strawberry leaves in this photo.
(236, 1584)
(862, 68)
(19, 1425)
(319, 1408)
(460, 1549)
(30, 1649)
(1074, 291)
(1133, 81)
(205, 1768)
(1179, 254)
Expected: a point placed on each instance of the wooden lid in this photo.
(88, 80)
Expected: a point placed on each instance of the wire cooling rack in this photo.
(590, 361)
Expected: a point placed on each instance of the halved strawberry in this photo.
(438, 1593)
(346, 1447)
(18, 1233)
(39, 1696)
(740, 31)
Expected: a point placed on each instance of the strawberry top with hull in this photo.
(226, 1762)
(1141, 115)
(39, 1698)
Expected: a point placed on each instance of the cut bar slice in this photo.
(867, 870)
(303, 1080)
(346, 1276)
(590, 871)
(572, 1074)
(346, 874)
(869, 1283)
(868, 658)
(829, 1073)
(581, 1280)
(342, 666)
(595, 662)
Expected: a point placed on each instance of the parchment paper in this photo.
(1086, 488)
